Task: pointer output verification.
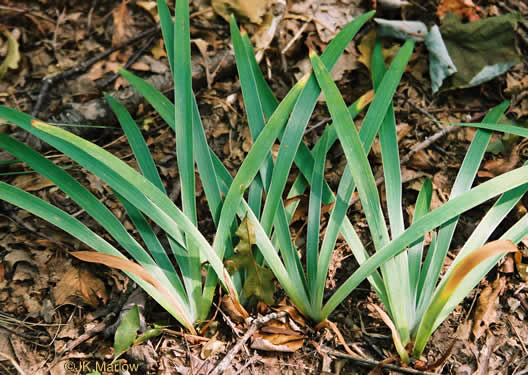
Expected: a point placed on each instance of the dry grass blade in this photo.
(395, 335)
(473, 260)
(129, 266)
(457, 277)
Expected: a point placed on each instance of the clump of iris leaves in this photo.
(252, 234)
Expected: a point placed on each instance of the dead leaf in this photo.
(151, 7)
(486, 311)
(122, 24)
(212, 346)
(229, 306)
(365, 48)
(24, 272)
(80, 285)
(465, 9)
(158, 50)
(495, 167)
(31, 182)
(16, 256)
(139, 271)
(522, 268)
(278, 336)
(346, 63)
(253, 10)
(13, 54)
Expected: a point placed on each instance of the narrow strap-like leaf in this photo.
(442, 214)
(80, 231)
(463, 182)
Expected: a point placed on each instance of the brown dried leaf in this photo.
(465, 9)
(254, 10)
(522, 268)
(15, 256)
(496, 167)
(212, 346)
(134, 268)
(122, 24)
(486, 312)
(151, 7)
(80, 285)
(31, 182)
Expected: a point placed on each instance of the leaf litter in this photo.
(34, 268)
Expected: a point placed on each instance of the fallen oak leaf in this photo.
(78, 285)
(486, 311)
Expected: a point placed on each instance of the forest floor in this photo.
(57, 313)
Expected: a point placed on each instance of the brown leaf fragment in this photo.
(212, 347)
(522, 268)
(280, 335)
(122, 24)
(78, 285)
(31, 182)
(495, 167)
(253, 10)
(465, 9)
(486, 311)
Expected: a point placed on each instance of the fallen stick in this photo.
(255, 324)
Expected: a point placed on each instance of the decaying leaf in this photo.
(212, 347)
(395, 335)
(13, 54)
(365, 48)
(151, 7)
(480, 50)
(139, 271)
(466, 9)
(122, 24)
(78, 285)
(31, 182)
(278, 336)
(259, 280)
(486, 311)
(253, 10)
(522, 268)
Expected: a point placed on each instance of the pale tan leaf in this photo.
(79, 285)
(254, 10)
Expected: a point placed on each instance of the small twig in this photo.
(13, 362)
(297, 35)
(104, 82)
(255, 324)
(50, 81)
(369, 363)
(428, 142)
(518, 336)
(524, 302)
(82, 338)
(340, 338)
